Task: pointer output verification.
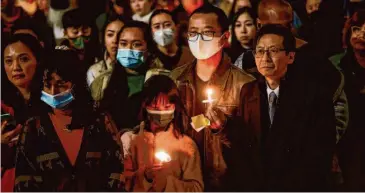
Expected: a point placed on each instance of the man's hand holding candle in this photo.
(216, 117)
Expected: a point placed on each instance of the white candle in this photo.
(209, 96)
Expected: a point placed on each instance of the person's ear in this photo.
(41, 43)
(225, 39)
(258, 24)
(291, 57)
(228, 35)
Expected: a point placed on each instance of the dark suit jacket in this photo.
(295, 153)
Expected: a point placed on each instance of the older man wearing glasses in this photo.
(287, 135)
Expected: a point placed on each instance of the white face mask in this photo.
(205, 49)
(164, 37)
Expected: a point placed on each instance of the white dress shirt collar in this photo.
(269, 90)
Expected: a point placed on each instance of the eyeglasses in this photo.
(356, 30)
(205, 36)
(272, 51)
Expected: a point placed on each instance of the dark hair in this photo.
(140, 25)
(41, 30)
(11, 95)
(289, 39)
(59, 4)
(146, 36)
(162, 11)
(235, 43)
(357, 19)
(11, 8)
(155, 13)
(278, 6)
(77, 17)
(63, 64)
(111, 19)
(232, 14)
(222, 18)
(153, 6)
(80, 17)
(72, 18)
(163, 84)
(127, 12)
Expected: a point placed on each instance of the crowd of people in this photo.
(182, 95)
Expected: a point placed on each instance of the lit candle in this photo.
(163, 156)
(209, 96)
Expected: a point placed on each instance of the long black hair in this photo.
(163, 84)
(142, 69)
(10, 94)
(111, 18)
(232, 13)
(63, 64)
(158, 12)
(236, 47)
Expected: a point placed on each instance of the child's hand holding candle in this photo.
(163, 156)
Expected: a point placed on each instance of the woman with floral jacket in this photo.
(66, 147)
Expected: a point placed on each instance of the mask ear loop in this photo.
(71, 90)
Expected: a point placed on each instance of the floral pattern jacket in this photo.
(42, 163)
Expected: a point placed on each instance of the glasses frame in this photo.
(267, 51)
(202, 37)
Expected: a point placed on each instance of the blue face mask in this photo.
(130, 58)
(57, 101)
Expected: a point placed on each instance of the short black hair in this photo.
(71, 19)
(64, 63)
(161, 11)
(76, 18)
(289, 39)
(222, 17)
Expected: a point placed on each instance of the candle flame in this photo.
(209, 96)
(209, 93)
(163, 156)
